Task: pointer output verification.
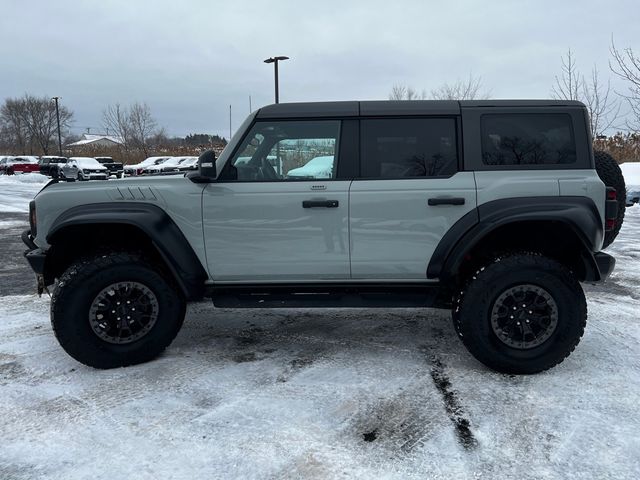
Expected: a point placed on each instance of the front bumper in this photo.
(36, 258)
(34, 255)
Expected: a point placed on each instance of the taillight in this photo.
(32, 217)
(612, 194)
(610, 224)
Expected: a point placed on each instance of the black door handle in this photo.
(320, 204)
(446, 201)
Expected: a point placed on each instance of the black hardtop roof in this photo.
(396, 107)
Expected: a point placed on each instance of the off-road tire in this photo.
(78, 287)
(609, 172)
(473, 304)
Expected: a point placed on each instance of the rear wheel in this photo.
(609, 172)
(522, 313)
(115, 310)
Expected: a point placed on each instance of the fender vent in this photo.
(134, 193)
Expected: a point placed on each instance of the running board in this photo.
(391, 295)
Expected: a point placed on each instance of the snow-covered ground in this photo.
(336, 393)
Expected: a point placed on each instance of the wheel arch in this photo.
(127, 226)
(568, 229)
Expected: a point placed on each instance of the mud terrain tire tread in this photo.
(77, 288)
(472, 307)
(609, 172)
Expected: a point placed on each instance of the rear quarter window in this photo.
(528, 139)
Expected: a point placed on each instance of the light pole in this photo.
(55, 99)
(275, 61)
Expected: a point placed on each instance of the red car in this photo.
(11, 165)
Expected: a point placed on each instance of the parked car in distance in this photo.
(188, 163)
(84, 168)
(115, 168)
(170, 165)
(317, 167)
(138, 168)
(21, 164)
(50, 165)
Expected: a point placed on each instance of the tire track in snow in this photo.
(452, 405)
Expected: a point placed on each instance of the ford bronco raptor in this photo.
(494, 209)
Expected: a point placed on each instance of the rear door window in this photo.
(408, 148)
(528, 139)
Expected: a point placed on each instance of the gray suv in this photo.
(494, 209)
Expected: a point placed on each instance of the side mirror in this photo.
(206, 172)
(207, 164)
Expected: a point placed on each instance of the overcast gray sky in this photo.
(190, 59)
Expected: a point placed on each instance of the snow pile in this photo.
(16, 191)
(24, 178)
(631, 172)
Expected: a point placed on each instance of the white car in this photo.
(170, 165)
(139, 168)
(318, 167)
(84, 168)
(188, 163)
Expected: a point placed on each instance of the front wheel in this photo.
(523, 313)
(115, 310)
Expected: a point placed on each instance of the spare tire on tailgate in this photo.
(609, 172)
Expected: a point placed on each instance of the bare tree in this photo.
(40, 115)
(626, 65)
(567, 85)
(467, 89)
(143, 126)
(14, 128)
(31, 121)
(115, 118)
(604, 109)
(133, 125)
(398, 92)
(402, 92)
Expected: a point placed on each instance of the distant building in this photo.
(90, 140)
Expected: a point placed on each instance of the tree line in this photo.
(28, 126)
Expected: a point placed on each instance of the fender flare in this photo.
(166, 237)
(578, 213)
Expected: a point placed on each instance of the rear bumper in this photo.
(605, 263)
(26, 169)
